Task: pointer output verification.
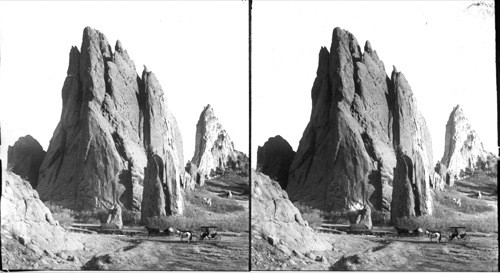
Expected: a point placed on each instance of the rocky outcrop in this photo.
(110, 118)
(274, 159)
(277, 220)
(213, 146)
(462, 146)
(359, 117)
(26, 219)
(25, 158)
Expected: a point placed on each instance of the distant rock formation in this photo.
(213, 146)
(26, 219)
(462, 146)
(25, 159)
(278, 221)
(274, 159)
(360, 116)
(110, 118)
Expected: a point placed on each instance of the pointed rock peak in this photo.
(208, 111)
(145, 71)
(394, 69)
(368, 46)
(323, 51)
(118, 46)
(457, 110)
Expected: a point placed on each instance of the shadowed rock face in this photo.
(213, 146)
(359, 116)
(462, 146)
(25, 158)
(274, 159)
(110, 117)
(278, 220)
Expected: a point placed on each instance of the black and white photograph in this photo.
(125, 135)
(247, 135)
(374, 136)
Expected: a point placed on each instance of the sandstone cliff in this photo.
(213, 146)
(27, 219)
(25, 158)
(274, 159)
(110, 117)
(278, 221)
(359, 117)
(462, 146)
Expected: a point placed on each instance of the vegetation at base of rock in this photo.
(314, 217)
(67, 216)
(233, 223)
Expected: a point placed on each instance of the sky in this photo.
(197, 50)
(445, 50)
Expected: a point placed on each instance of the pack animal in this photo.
(185, 234)
(207, 201)
(457, 202)
(434, 234)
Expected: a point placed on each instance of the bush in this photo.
(63, 215)
(314, 217)
(131, 218)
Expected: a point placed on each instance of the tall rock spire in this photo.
(360, 116)
(110, 118)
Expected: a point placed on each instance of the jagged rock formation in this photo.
(213, 146)
(346, 157)
(25, 158)
(274, 159)
(462, 146)
(27, 219)
(110, 118)
(277, 220)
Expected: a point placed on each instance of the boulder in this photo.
(25, 157)
(213, 146)
(274, 159)
(359, 117)
(25, 217)
(274, 216)
(110, 117)
(462, 147)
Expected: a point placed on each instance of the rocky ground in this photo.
(368, 252)
(120, 252)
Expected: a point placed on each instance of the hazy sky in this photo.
(445, 51)
(197, 50)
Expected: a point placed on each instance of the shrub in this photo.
(234, 223)
(131, 218)
(63, 215)
(314, 217)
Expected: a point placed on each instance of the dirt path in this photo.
(161, 253)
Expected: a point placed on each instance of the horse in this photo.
(434, 234)
(185, 234)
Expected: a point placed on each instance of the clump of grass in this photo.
(131, 218)
(314, 217)
(63, 215)
(381, 218)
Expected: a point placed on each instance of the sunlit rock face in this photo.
(110, 117)
(462, 146)
(360, 116)
(213, 146)
(276, 219)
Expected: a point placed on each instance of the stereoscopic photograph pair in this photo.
(249, 136)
